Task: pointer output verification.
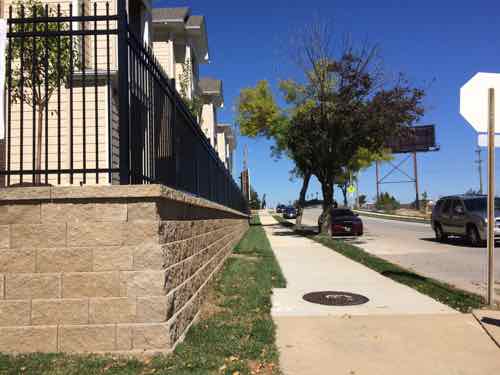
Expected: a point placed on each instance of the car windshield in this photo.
(342, 213)
(480, 204)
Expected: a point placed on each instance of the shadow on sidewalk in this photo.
(491, 321)
(453, 241)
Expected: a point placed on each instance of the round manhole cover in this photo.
(335, 298)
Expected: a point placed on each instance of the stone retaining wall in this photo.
(106, 269)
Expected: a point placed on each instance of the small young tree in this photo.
(194, 103)
(46, 64)
(355, 113)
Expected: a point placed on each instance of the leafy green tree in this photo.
(258, 115)
(254, 203)
(354, 113)
(39, 65)
(340, 110)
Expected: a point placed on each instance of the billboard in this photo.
(414, 139)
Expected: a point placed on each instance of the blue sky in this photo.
(439, 44)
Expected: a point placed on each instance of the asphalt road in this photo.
(412, 246)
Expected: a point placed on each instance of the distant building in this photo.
(212, 99)
(180, 41)
(226, 144)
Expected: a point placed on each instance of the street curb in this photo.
(411, 219)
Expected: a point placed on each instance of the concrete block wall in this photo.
(118, 269)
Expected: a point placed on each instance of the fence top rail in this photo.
(61, 33)
(60, 18)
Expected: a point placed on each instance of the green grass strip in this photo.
(456, 298)
(236, 333)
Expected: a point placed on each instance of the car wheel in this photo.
(473, 236)
(440, 235)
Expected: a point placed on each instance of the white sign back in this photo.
(474, 100)
(482, 140)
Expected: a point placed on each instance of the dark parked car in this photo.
(280, 208)
(290, 213)
(346, 222)
(464, 216)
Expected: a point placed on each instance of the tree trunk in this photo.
(38, 161)
(344, 193)
(302, 198)
(325, 220)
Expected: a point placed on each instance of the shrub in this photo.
(387, 202)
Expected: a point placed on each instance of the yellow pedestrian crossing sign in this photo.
(351, 189)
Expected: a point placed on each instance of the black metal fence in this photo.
(88, 103)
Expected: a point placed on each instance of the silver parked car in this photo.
(465, 216)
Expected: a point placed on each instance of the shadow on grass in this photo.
(403, 274)
(296, 233)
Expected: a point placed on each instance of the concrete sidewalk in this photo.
(399, 331)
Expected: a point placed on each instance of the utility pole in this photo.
(479, 163)
(357, 190)
(377, 177)
(245, 157)
(245, 175)
(417, 193)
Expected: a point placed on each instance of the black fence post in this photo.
(123, 92)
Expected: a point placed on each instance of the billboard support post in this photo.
(417, 193)
(411, 141)
(377, 173)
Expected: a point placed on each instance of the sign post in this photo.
(491, 194)
(478, 106)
